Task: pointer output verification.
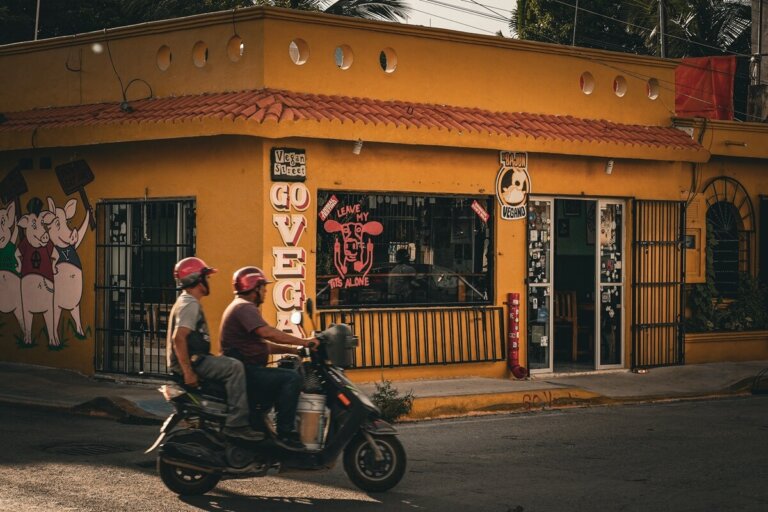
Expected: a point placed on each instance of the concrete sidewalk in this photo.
(138, 401)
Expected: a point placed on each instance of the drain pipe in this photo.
(513, 337)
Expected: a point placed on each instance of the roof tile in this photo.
(285, 106)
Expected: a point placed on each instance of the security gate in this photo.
(137, 245)
(658, 283)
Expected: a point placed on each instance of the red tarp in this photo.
(704, 87)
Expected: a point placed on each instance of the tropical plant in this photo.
(62, 17)
(693, 27)
(390, 402)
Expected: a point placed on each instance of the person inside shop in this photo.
(403, 280)
(190, 347)
(245, 335)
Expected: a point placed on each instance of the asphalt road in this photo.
(683, 456)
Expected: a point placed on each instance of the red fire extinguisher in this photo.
(513, 337)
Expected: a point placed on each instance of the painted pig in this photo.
(68, 274)
(38, 258)
(10, 283)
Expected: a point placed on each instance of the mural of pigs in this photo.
(38, 258)
(68, 273)
(10, 283)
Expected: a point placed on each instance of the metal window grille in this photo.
(424, 336)
(138, 243)
(449, 248)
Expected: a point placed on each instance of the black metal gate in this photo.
(658, 283)
(138, 243)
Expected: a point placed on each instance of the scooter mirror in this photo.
(309, 305)
(296, 318)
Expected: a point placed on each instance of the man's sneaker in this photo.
(291, 440)
(244, 432)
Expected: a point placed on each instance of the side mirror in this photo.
(309, 306)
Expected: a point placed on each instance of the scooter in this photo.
(333, 416)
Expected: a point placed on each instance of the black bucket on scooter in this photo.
(340, 344)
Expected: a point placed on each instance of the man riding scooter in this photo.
(245, 335)
(190, 346)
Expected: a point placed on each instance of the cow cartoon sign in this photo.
(353, 247)
(513, 185)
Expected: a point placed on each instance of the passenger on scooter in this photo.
(245, 335)
(189, 344)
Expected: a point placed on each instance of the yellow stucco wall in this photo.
(433, 66)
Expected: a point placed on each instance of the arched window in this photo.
(730, 219)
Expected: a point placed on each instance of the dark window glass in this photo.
(387, 249)
(725, 221)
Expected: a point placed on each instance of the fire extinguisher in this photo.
(513, 337)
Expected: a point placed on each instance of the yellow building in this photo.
(404, 179)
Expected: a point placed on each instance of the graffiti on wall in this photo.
(289, 200)
(353, 247)
(41, 274)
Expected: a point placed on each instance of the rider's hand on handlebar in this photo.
(312, 344)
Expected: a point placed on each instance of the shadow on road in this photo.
(224, 501)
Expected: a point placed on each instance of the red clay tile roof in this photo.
(285, 106)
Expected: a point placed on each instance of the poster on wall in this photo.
(513, 185)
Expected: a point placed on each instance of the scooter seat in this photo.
(211, 388)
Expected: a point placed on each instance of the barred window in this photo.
(403, 249)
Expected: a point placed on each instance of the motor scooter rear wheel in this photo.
(366, 472)
(185, 481)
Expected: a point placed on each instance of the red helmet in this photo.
(190, 271)
(248, 278)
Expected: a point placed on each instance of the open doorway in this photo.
(574, 268)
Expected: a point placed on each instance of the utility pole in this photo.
(662, 25)
(37, 18)
(757, 104)
(575, 18)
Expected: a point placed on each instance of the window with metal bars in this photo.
(403, 249)
(137, 246)
(731, 247)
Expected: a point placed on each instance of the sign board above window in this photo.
(288, 164)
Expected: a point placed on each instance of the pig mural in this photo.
(38, 259)
(10, 283)
(68, 272)
(354, 249)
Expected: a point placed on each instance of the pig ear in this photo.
(373, 228)
(47, 217)
(69, 209)
(331, 226)
(51, 205)
(23, 222)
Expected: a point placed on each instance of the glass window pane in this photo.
(538, 327)
(610, 325)
(611, 259)
(386, 249)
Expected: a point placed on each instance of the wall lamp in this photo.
(358, 147)
(609, 167)
(735, 143)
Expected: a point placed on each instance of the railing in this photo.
(424, 336)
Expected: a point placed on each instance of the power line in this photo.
(452, 21)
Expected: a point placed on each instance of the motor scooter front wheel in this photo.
(366, 472)
(185, 481)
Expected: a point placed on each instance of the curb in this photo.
(547, 399)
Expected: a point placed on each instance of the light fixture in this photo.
(358, 147)
(609, 167)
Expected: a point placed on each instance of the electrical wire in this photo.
(452, 21)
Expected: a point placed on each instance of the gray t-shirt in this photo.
(186, 312)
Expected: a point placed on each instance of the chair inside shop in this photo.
(565, 315)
